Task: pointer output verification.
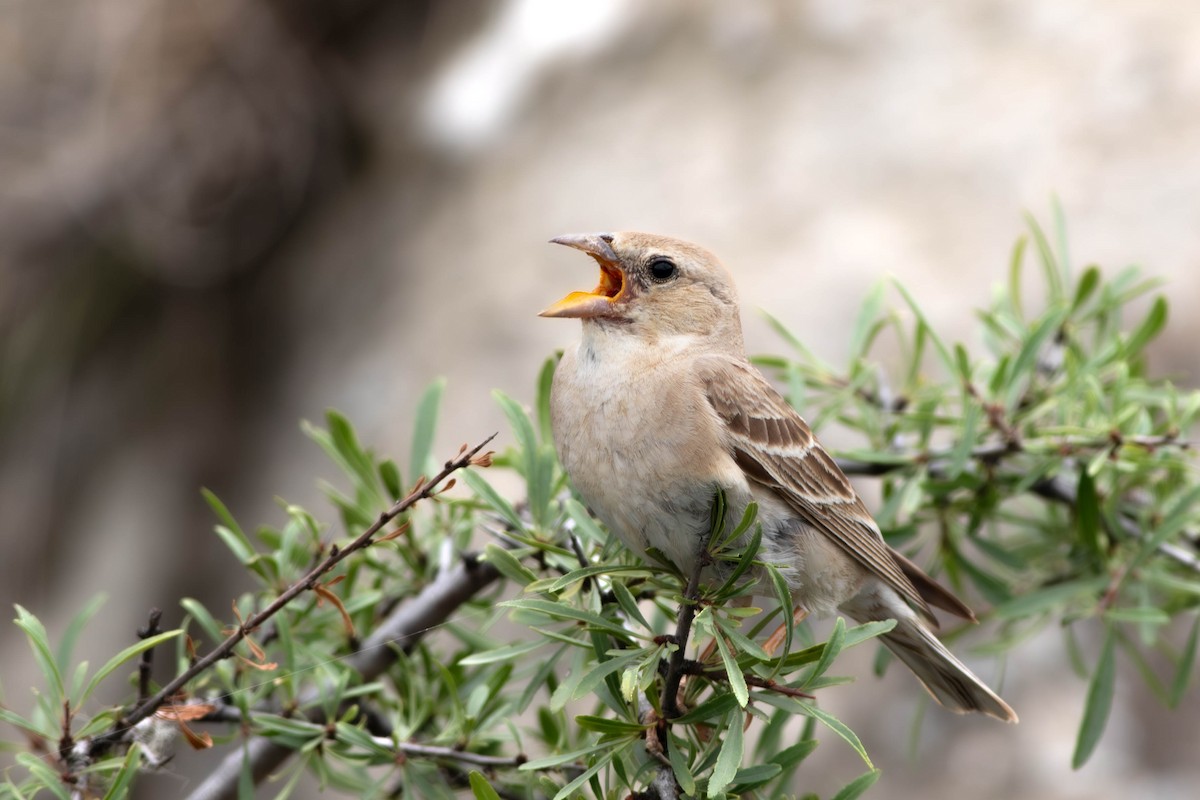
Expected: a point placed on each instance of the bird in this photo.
(657, 407)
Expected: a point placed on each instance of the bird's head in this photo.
(654, 286)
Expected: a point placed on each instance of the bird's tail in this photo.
(943, 675)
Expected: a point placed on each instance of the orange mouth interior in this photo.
(612, 281)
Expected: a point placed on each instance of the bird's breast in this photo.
(643, 448)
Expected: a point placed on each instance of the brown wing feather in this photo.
(777, 449)
(934, 593)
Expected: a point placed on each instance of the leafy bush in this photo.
(1046, 473)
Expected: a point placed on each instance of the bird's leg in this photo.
(776, 639)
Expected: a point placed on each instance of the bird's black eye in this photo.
(662, 270)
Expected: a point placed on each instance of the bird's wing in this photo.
(777, 449)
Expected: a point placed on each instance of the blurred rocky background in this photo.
(220, 217)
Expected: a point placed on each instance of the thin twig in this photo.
(146, 665)
(753, 680)
(228, 713)
(423, 489)
(683, 630)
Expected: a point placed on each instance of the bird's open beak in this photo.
(598, 302)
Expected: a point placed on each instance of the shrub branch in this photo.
(425, 488)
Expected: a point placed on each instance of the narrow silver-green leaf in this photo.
(840, 728)
(833, 646)
(864, 323)
(203, 618)
(1098, 704)
(681, 768)
(1087, 513)
(123, 656)
(737, 681)
(424, 429)
(492, 498)
(480, 787)
(730, 757)
(66, 645)
(566, 612)
(856, 787)
(1183, 671)
(602, 761)
(544, 383)
(509, 565)
(40, 644)
(506, 653)
(1151, 326)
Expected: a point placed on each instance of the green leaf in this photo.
(923, 325)
(123, 656)
(204, 619)
(122, 782)
(833, 646)
(480, 787)
(522, 428)
(963, 361)
(628, 604)
(1151, 326)
(600, 672)
(354, 460)
(737, 681)
(66, 646)
(1049, 263)
(1183, 672)
(743, 643)
(566, 612)
(1087, 507)
(1032, 349)
(748, 778)
(588, 529)
(797, 345)
(602, 761)
(1014, 276)
(389, 473)
(222, 512)
(865, 322)
(783, 594)
(730, 757)
(425, 428)
(1044, 599)
(1098, 703)
(544, 384)
(509, 565)
(1142, 615)
(1086, 286)
(617, 727)
(745, 560)
(40, 644)
(576, 575)
(840, 728)
(791, 756)
(856, 787)
(506, 653)
(867, 631)
(711, 708)
(1177, 516)
(681, 768)
(17, 721)
(492, 498)
(47, 778)
(239, 545)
